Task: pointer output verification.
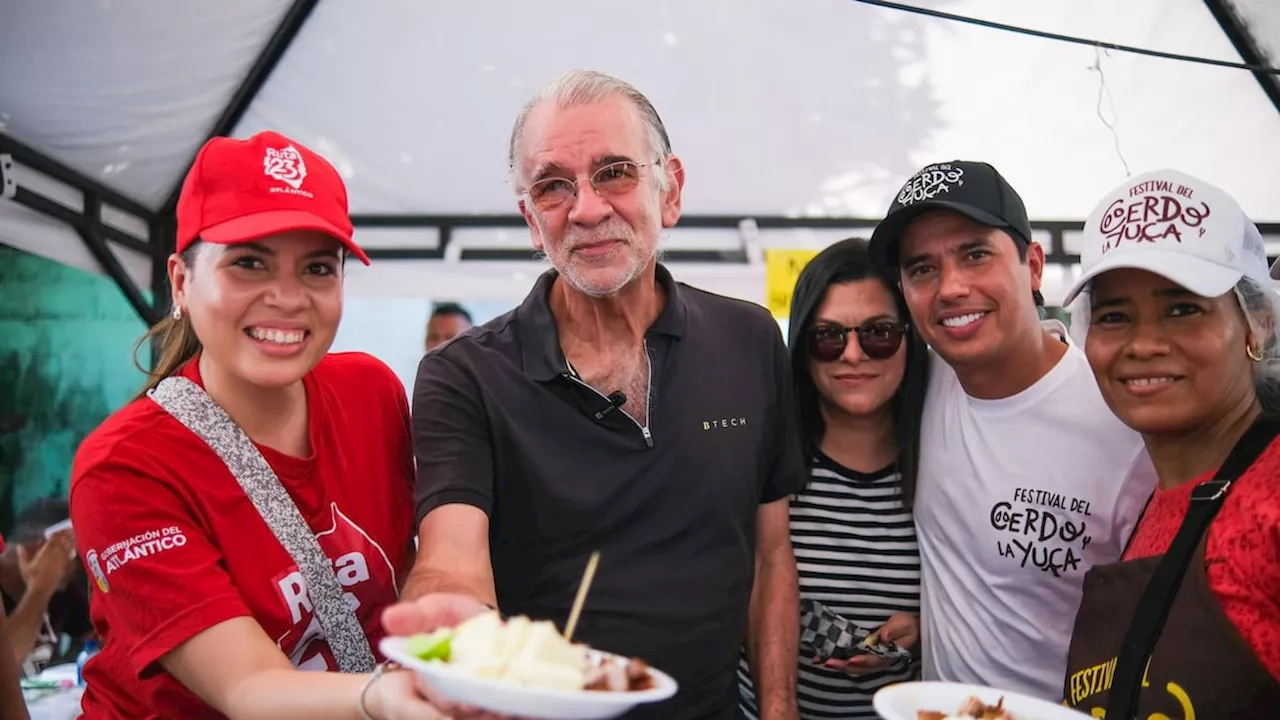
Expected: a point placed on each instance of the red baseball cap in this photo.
(242, 190)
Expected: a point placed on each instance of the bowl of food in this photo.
(958, 701)
(519, 666)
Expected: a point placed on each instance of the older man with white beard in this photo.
(614, 410)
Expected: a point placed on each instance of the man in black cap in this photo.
(1026, 478)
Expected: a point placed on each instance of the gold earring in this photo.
(1254, 352)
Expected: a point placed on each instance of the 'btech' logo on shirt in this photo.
(724, 423)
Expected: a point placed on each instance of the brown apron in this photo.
(1200, 666)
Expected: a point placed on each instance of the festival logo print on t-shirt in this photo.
(1042, 529)
(365, 573)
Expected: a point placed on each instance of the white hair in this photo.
(1261, 306)
(584, 87)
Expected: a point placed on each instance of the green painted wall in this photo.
(66, 362)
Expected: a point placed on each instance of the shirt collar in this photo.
(540, 338)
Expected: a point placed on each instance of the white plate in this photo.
(502, 697)
(902, 701)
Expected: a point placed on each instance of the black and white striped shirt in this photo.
(856, 551)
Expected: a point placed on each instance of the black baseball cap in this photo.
(973, 189)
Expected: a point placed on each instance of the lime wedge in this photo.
(434, 646)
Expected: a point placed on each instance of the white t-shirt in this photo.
(1018, 497)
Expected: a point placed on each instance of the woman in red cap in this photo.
(249, 515)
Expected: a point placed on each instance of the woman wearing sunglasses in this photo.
(860, 377)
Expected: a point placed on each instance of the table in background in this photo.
(59, 704)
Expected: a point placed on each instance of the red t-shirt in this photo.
(1242, 553)
(174, 546)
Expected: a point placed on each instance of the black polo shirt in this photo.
(500, 423)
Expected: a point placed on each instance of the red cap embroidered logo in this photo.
(285, 165)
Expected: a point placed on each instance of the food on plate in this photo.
(972, 708)
(528, 653)
(611, 675)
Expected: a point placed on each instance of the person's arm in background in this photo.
(454, 489)
(42, 573)
(774, 621)
(773, 626)
(12, 704)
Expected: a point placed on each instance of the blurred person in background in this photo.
(12, 703)
(44, 589)
(446, 322)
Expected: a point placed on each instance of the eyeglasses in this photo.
(617, 178)
(878, 340)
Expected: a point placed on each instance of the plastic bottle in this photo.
(90, 649)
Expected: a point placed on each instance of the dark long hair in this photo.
(844, 262)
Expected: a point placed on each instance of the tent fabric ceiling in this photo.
(126, 91)
(1262, 21)
(821, 107)
(808, 108)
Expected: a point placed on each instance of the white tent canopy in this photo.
(802, 114)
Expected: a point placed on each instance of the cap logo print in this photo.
(285, 165)
(1176, 226)
(930, 182)
(1154, 211)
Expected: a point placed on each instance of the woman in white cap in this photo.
(1182, 341)
(250, 514)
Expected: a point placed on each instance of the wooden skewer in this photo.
(582, 595)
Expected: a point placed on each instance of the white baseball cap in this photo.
(1176, 226)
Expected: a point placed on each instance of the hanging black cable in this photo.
(1070, 38)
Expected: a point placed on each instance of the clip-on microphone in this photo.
(616, 400)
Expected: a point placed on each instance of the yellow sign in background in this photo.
(781, 270)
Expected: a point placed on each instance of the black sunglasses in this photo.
(878, 340)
